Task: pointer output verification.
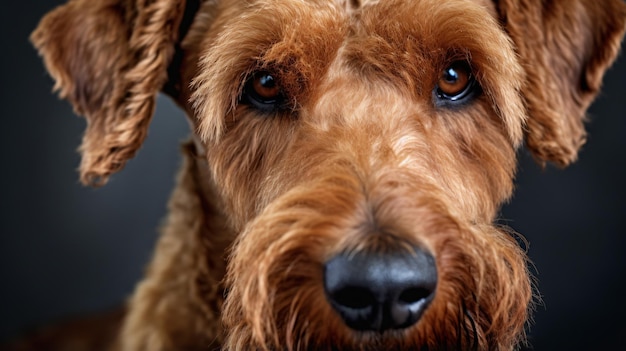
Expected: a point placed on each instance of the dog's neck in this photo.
(195, 239)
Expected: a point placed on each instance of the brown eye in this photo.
(265, 86)
(263, 91)
(455, 82)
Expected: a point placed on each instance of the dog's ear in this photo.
(109, 58)
(565, 47)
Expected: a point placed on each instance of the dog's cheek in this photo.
(471, 153)
(253, 145)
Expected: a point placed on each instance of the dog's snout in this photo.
(381, 291)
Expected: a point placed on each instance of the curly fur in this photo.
(361, 159)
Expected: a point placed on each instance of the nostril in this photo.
(353, 297)
(380, 291)
(413, 295)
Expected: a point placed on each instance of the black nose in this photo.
(376, 291)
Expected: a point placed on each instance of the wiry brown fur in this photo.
(109, 59)
(362, 157)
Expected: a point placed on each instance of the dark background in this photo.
(66, 249)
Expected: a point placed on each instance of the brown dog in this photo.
(347, 163)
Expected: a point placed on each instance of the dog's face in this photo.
(351, 142)
(365, 132)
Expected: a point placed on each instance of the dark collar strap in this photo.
(172, 86)
(191, 8)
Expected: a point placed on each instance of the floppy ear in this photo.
(109, 58)
(565, 47)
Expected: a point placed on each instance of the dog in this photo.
(347, 162)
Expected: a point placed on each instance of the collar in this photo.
(172, 86)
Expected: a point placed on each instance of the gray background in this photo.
(67, 250)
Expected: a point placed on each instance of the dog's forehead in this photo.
(356, 4)
(301, 27)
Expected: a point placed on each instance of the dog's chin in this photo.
(350, 340)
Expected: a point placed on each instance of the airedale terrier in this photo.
(347, 164)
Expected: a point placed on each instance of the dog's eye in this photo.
(455, 82)
(262, 91)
